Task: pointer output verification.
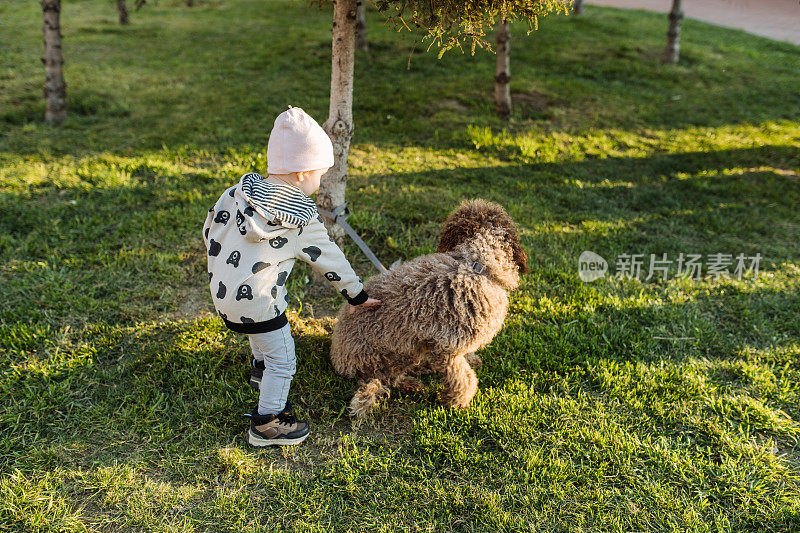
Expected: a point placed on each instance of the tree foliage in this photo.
(455, 23)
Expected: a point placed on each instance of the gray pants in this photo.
(276, 349)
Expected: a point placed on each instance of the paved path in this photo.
(776, 19)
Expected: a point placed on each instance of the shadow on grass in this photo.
(131, 252)
(152, 413)
(157, 384)
(183, 384)
(610, 57)
(169, 383)
(166, 378)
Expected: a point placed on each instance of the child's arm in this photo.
(316, 248)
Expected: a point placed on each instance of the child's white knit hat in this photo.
(297, 143)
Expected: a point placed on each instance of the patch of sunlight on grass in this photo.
(619, 405)
(559, 146)
(35, 503)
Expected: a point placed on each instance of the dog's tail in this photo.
(369, 394)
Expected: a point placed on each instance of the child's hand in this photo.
(371, 302)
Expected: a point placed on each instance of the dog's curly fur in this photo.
(436, 311)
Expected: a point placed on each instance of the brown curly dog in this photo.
(437, 310)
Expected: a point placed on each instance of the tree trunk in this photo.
(55, 90)
(123, 12)
(502, 77)
(339, 125)
(361, 27)
(577, 7)
(672, 50)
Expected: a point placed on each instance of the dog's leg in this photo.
(473, 359)
(368, 395)
(460, 383)
(407, 384)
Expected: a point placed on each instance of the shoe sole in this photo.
(255, 440)
(255, 384)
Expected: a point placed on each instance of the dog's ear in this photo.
(462, 225)
(520, 255)
(476, 215)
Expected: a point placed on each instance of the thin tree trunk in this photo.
(55, 90)
(361, 27)
(502, 92)
(577, 7)
(672, 50)
(339, 125)
(123, 12)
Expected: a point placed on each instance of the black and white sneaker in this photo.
(256, 373)
(281, 429)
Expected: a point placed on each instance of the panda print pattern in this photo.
(240, 223)
(282, 278)
(249, 261)
(222, 217)
(245, 291)
(214, 248)
(259, 266)
(234, 258)
(278, 242)
(313, 252)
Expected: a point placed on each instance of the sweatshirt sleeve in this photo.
(316, 248)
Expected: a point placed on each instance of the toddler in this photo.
(254, 234)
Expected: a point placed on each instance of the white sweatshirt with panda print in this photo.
(253, 235)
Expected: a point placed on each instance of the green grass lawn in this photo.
(620, 405)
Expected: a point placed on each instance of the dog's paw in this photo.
(409, 385)
(459, 403)
(368, 395)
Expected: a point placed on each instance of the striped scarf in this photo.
(285, 203)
